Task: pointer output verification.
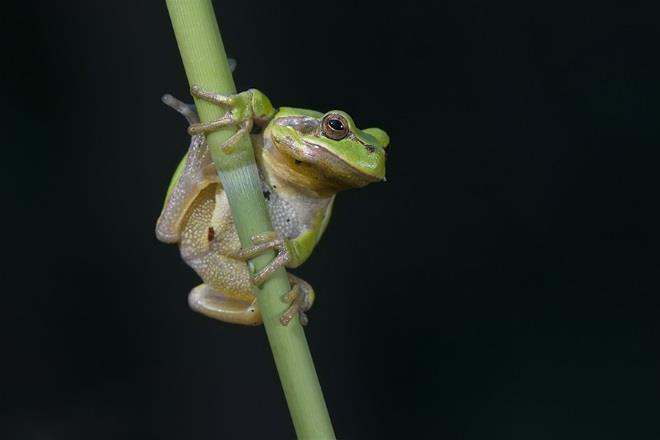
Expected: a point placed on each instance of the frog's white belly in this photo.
(286, 220)
(291, 214)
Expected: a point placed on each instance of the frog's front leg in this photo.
(260, 244)
(244, 109)
(195, 172)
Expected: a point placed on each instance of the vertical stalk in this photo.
(205, 63)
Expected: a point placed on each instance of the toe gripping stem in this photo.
(242, 110)
(301, 294)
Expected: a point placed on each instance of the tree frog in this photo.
(304, 158)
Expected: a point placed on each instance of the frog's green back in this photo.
(294, 111)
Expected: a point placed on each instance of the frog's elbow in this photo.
(166, 234)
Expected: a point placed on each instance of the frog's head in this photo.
(329, 147)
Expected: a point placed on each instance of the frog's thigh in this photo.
(216, 305)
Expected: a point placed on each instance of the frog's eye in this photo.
(334, 126)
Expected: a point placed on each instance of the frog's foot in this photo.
(301, 297)
(243, 109)
(263, 243)
(217, 305)
(227, 146)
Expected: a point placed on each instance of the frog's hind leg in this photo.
(203, 299)
(301, 297)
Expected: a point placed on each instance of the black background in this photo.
(501, 284)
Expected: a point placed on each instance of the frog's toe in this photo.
(206, 127)
(207, 95)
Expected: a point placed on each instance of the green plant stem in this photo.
(205, 63)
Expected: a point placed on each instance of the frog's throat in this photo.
(318, 171)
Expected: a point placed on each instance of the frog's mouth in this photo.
(317, 163)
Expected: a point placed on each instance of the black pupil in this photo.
(336, 124)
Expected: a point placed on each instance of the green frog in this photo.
(304, 159)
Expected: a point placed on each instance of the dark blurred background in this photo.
(503, 283)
